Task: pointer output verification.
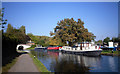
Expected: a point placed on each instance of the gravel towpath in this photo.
(24, 64)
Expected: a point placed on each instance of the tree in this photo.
(114, 39)
(21, 37)
(100, 42)
(106, 40)
(2, 20)
(30, 35)
(42, 40)
(18, 34)
(71, 31)
(9, 28)
(22, 28)
(55, 41)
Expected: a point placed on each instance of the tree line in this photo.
(67, 32)
(11, 37)
(41, 40)
(107, 39)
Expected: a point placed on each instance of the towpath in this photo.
(24, 64)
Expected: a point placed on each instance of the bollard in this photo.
(34, 56)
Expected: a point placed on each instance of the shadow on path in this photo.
(10, 58)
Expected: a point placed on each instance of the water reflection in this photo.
(68, 66)
(62, 62)
(81, 59)
(53, 54)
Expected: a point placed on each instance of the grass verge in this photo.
(30, 48)
(108, 52)
(38, 64)
(9, 65)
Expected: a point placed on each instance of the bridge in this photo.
(25, 46)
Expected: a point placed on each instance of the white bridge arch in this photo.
(24, 46)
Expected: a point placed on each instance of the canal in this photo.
(63, 62)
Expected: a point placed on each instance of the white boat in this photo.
(40, 47)
(84, 48)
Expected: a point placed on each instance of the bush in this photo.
(33, 46)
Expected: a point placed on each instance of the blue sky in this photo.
(39, 18)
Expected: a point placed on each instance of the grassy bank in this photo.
(109, 52)
(31, 48)
(39, 65)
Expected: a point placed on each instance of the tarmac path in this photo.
(24, 64)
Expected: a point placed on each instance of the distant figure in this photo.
(112, 51)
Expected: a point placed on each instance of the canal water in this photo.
(63, 62)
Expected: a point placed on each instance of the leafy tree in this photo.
(55, 41)
(71, 31)
(17, 33)
(100, 42)
(30, 35)
(9, 28)
(115, 39)
(10, 39)
(22, 38)
(106, 40)
(2, 20)
(42, 40)
(22, 28)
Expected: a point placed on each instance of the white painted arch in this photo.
(24, 46)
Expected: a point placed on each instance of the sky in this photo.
(39, 18)
(60, 0)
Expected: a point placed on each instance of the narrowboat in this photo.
(83, 49)
(54, 48)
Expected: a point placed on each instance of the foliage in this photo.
(68, 30)
(32, 47)
(38, 64)
(55, 42)
(10, 39)
(9, 28)
(9, 44)
(2, 20)
(41, 40)
(100, 42)
(18, 34)
(114, 39)
(22, 28)
(106, 40)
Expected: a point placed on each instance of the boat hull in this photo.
(53, 48)
(87, 53)
(40, 48)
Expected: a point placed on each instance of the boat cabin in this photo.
(86, 45)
